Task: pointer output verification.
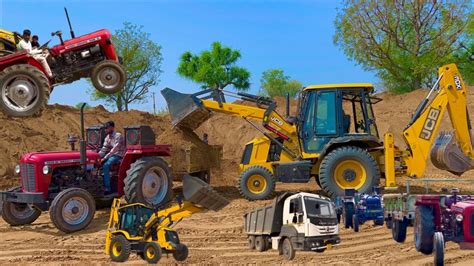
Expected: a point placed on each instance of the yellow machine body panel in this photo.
(7, 40)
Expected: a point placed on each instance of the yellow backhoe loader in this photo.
(148, 231)
(8, 42)
(334, 136)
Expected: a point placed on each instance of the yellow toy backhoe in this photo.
(148, 231)
(8, 42)
(334, 136)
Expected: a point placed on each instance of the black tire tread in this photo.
(427, 229)
(126, 249)
(271, 182)
(107, 63)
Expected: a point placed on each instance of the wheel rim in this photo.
(256, 184)
(117, 249)
(350, 174)
(155, 185)
(109, 78)
(150, 252)
(75, 211)
(20, 93)
(21, 211)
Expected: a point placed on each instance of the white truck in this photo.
(294, 221)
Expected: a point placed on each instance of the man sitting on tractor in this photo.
(111, 153)
(37, 54)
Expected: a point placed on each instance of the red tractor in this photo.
(70, 183)
(443, 218)
(25, 86)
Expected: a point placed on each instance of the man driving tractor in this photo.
(39, 55)
(111, 153)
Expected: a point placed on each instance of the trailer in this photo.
(294, 221)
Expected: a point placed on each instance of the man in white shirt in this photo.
(37, 54)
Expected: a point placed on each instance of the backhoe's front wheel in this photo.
(119, 250)
(256, 183)
(348, 167)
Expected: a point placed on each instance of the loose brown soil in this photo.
(215, 238)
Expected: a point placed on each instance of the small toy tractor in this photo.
(360, 208)
(147, 231)
(443, 218)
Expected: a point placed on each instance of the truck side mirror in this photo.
(300, 218)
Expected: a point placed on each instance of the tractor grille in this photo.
(28, 177)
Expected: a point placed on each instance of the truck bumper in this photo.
(321, 242)
(36, 199)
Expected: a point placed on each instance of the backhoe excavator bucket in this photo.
(199, 192)
(446, 155)
(186, 110)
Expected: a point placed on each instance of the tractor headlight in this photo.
(46, 170)
(459, 217)
(17, 169)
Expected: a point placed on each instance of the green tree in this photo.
(404, 42)
(274, 82)
(142, 62)
(464, 57)
(215, 69)
(79, 105)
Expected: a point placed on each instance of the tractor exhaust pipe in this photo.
(70, 26)
(82, 142)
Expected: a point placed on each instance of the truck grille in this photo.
(28, 177)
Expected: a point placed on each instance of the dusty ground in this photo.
(214, 238)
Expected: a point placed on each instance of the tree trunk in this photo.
(119, 103)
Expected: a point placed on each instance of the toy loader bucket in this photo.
(186, 110)
(447, 155)
(199, 192)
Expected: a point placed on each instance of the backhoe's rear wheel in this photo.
(256, 183)
(19, 213)
(348, 167)
(148, 181)
(152, 252)
(424, 229)
(108, 77)
(72, 210)
(119, 250)
(24, 91)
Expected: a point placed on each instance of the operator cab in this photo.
(335, 111)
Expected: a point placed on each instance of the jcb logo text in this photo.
(430, 124)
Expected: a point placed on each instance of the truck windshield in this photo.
(318, 208)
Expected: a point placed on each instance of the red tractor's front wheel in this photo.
(108, 77)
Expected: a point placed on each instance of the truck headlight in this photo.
(17, 169)
(46, 170)
(459, 217)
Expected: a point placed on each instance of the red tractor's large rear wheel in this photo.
(149, 181)
(24, 91)
(108, 77)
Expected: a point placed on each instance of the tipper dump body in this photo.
(267, 219)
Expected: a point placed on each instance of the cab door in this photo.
(319, 119)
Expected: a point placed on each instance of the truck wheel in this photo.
(389, 222)
(19, 213)
(152, 252)
(348, 212)
(348, 167)
(424, 229)
(251, 242)
(260, 245)
(256, 183)
(287, 249)
(438, 247)
(119, 250)
(355, 222)
(72, 210)
(108, 77)
(181, 254)
(24, 91)
(148, 181)
(399, 231)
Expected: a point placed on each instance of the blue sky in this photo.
(293, 35)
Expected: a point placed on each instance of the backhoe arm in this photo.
(176, 212)
(452, 151)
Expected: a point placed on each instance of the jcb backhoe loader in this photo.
(8, 42)
(147, 230)
(334, 136)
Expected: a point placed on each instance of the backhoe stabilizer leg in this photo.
(389, 147)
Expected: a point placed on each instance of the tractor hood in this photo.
(59, 157)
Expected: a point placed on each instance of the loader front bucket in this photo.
(199, 192)
(446, 155)
(186, 110)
